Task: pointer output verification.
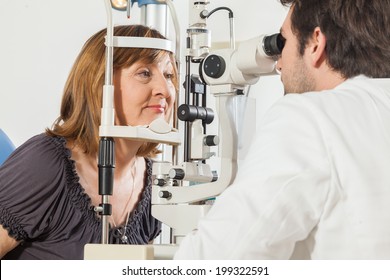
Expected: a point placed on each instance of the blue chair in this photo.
(6, 146)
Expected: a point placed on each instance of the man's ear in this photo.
(317, 47)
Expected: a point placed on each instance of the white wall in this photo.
(40, 39)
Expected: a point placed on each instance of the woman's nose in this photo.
(161, 86)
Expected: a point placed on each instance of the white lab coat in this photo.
(315, 184)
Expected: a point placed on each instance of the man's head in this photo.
(354, 34)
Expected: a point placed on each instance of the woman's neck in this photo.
(125, 154)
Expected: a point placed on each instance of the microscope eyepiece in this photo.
(273, 44)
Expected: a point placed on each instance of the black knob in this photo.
(214, 66)
(176, 173)
(165, 194)
(190, 113)
(159, 182)
(211, 140)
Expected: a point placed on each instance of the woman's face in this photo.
(144, 92)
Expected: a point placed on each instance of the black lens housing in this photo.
(273, 44)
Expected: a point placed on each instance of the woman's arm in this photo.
(7, 243)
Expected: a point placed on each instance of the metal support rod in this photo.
(106, 164)
(187, 124)
(204, 105)
(109, 47)
(106, 159)
(232, 35)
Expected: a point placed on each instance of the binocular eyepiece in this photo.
(244, 65)
(273, 44)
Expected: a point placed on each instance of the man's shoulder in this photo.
(351, 89)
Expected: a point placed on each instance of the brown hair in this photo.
(79, 118)
(357, 33)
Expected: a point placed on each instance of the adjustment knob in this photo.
(176, 173)
(214, 66)
(190, 113)
(165, 194)
(211, 140)
(159, 182)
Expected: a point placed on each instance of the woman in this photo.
(49, 185)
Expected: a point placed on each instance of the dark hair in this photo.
(357, 33)
(79, 118)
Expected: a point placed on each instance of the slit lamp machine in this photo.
(183, 189)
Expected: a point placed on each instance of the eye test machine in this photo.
(185, 185)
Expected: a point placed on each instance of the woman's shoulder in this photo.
(42, 146)
(41, 154)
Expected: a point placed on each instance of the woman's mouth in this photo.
(157, 108)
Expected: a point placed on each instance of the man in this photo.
(317, 184)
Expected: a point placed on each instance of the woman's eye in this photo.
(169, 76)
(144, 74)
